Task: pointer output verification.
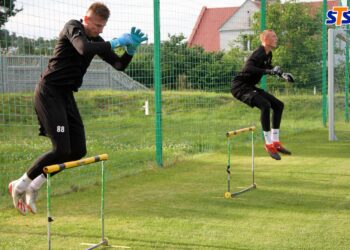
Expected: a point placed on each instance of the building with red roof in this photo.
(219, 28)
(206, 32)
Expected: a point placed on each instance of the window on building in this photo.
(246, 42)
(249, 19)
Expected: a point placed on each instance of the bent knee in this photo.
(78, 153)
(62, 153)
(279, 106)
(265, 107)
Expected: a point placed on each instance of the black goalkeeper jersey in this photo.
(254, 68)
(73, 54)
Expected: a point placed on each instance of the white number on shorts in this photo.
(60, 129)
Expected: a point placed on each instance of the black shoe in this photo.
(272, 151)
(280, 148)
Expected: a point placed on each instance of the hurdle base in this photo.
(104, 242)
(253, 186)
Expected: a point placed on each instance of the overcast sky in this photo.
(45, 18)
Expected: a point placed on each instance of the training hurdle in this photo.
(72, 164)
(230, 135)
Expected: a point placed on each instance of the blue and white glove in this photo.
(124, 40)
(137, 37)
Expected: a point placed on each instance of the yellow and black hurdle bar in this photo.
(72, 164)
(229, 135)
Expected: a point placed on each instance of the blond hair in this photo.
(99, 9)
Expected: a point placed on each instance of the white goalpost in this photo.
(338, 81)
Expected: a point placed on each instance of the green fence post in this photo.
(157, 84)
(347, 74)
(263, 27)
(324, 64)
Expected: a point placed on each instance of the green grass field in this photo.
(301, 202)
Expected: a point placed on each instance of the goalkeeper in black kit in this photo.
(54, 102)
(244, 89)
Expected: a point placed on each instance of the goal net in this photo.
(338, 84)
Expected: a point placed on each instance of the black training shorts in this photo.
(57, 112)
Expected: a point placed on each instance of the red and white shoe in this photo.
(280, 148)
(31, 196)
(272, 151)
(18, 198)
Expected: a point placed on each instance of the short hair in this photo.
(99, 9)
(264, 33)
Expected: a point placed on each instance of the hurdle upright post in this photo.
(72, 164)
(230, 134)
(49, 218)
(228, 169)
(253, 181)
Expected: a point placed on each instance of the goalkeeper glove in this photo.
(122, 41)
(274, 71)
(288, 77)
(137, 37)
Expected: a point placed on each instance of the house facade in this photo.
(237, 25)
(220, 29)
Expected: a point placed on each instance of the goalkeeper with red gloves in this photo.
(55, 106)
(244, 89)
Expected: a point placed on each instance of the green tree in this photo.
(186, 67)
(299, 40)
(44, 47)
(7, 9)
(194, 68)
(26, 46)
(173, 58)
(141, 66)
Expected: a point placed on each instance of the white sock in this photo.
(267, 136)
(38, 182)
(23, 183)
(275, 134)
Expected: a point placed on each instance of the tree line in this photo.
(183, 67)
(299, 51)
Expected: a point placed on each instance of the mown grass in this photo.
(301, 202)
(115, 123)
(193, 122)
